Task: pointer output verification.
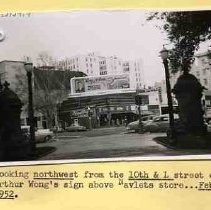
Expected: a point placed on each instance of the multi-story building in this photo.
(88, 64)
(43, 77)
(93, 64)
(15, 73)
(201, 69)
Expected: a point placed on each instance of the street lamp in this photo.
(90, 118)
(164, 55)
(29, 68)
(2, 37)
(138, 101)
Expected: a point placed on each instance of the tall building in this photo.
(93, 64)
(201, 69)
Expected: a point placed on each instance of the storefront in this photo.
(102, 110)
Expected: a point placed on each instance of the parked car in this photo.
(134, 126)
(57, 129)
(155, 124)
(75, 127)
(160, 123)
(41, 135)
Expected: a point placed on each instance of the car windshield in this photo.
(156, 119)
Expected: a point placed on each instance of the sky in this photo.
(125, 34)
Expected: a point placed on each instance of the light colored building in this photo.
(93, 64)
(201, 69)
(14, 72)
(10, 70)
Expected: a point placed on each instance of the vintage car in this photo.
(134, 126)
(75, 127)
(157, 124)
(41, 135)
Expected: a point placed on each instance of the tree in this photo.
(185, 30)
(44, 59)
(51, 87)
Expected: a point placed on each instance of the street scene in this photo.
(112, 143)
(82, 85)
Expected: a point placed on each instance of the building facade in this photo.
(201, 69)
(43, 78)
(108, 109)
(93, 64)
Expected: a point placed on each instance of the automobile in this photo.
(41, 135)
(134, 126)
(57, 129)
(160, 123)
(209, 126)
(75, 127)
(153, 123)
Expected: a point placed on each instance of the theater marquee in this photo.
(99, 83)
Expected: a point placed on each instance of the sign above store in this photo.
(80, 85)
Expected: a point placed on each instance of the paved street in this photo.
(107, 143)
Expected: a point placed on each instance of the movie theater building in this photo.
(104, 101)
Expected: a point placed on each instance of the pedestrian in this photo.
(117, 122)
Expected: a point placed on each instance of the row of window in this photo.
(103, 73)
(87, 71)
(90, 59)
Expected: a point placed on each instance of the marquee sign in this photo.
(99, 83)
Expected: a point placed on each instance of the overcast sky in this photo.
(125, 34)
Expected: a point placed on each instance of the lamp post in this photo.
(138, 101)
(2, 37)
(90, 118)
(29, 67)
(164, 56)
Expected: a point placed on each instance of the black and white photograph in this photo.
(105, 84)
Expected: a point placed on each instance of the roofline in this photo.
(12, 61)
(202, 54)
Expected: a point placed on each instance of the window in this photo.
(205, 82)
(197, 74)
(165, 119)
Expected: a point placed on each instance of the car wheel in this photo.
(47, 138)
